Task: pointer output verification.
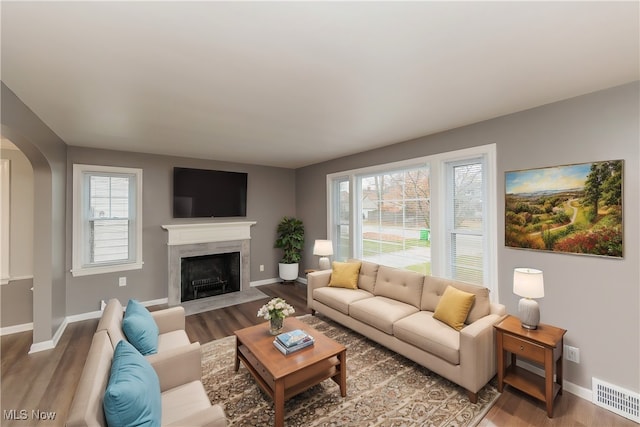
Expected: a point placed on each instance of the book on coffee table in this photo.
(288, 350)
(293, 338)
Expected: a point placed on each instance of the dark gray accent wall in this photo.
(595, 299)
(271, 195)
(47, 154)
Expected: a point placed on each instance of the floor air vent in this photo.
(616, 399)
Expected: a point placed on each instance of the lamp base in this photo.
(324, 263)
(529, 313)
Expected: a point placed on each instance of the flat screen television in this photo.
(201, 193)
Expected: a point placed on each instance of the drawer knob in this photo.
(521, 347)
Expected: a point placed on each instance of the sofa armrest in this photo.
(210, 417)
(316, 280)
(169, 319)
(86, 408)
(498, 309)
(478, 352)
(177, 366)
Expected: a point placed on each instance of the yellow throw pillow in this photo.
(454, 306)
(345, 275)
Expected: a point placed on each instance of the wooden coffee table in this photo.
(282, 377)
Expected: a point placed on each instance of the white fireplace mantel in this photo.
(187, 234)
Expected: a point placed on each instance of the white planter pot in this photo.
(288, 272)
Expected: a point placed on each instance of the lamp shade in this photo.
(323, 248)
(528, 283)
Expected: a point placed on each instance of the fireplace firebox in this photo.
(209, 275)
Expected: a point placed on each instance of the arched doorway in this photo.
(47, 154)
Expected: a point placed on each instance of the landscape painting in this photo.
(568, 209)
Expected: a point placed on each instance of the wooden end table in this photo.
(543, 345)
(282, 377)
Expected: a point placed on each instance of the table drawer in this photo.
(257, 366)
(523, 348)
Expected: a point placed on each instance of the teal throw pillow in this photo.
(140, 328)
(132, 397)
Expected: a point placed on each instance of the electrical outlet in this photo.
(122, 281)
(261, 267)
(572, 354)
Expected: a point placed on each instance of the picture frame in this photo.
(574, 209)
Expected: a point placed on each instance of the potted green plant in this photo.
(291, 241)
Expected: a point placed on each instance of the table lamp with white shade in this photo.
(529, 284)
(323, 248)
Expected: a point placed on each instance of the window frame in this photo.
(438, 164)
(80, 244)
(450, 220)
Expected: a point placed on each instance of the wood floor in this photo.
(46, 381)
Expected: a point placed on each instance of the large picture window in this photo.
(107, 219)
(434, 215)
(394, 218)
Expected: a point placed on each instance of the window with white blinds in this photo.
(107, 219)
(465, 220)
(341, 234)
(435, 215)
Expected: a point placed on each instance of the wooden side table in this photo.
(543, 346)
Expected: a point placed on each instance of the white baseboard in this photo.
(84, 316)
(14, 329)
(41, 346)
(263, 282)
(49, 344)
(274, 280)
(584, 393)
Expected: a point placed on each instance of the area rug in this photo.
(383, 389)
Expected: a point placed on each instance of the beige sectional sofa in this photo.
(395, 308)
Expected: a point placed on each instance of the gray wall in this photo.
(595, 299)
(271, 195)
(16, 297)
(47, 154)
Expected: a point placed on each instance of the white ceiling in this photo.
(294, 83)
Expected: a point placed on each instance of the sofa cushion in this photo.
(180, 401)
(401, 285)
(380, 312)
(423, 331)
(368, 274)
(132, 397)
(434, 287)
(344, 275)
(454, 307)
(339, 298)
(140, 328)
